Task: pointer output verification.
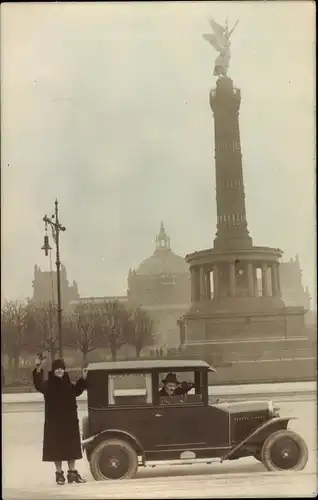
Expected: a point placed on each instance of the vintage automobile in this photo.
(124, 431)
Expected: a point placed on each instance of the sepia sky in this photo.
(106, 106)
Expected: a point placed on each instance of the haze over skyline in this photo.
(106, 107)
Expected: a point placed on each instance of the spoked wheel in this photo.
(113, 459)
(284, 450)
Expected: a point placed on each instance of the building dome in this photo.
(163, 261)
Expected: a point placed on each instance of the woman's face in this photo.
(59, 372)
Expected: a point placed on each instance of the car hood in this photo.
(245, 406)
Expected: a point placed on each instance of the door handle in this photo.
(157, 415)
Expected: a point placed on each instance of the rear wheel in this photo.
(284, 450)
(113, 459)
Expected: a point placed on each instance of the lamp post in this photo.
(56, 228)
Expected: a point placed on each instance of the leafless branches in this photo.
(42, 328)
(140, 331)
(82, 329)
(114, 322)
(13, 329)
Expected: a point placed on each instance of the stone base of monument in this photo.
(261, 360)
(246, 347)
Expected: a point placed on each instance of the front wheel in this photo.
(284, 450)
(113, 459)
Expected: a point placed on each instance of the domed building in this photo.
(161, 286)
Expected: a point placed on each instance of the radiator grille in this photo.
(243, 425)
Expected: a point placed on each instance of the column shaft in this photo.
(215, 282)
(265, 283)
(202, 284)
(192, 283)
(250, 280)
(275, 290)
(232, 279)
(255, 282)
(278, 279)
(195, 284)
(208, 284)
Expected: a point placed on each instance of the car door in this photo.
(188, 427)
(177, 426)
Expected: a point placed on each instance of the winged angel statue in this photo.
(220, 40)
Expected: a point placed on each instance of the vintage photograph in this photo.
(158, 210)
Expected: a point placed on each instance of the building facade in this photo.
(45, 287)
(293, 291)
(161, 286)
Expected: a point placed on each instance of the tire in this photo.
(284, 450)
(113, 459)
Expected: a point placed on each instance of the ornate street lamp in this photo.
(56, 228)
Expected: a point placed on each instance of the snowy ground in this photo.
(26, 477)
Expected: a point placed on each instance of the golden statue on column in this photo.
(220, 40)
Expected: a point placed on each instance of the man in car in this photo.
(173, 387)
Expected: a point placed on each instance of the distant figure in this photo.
(62, 440)
(173, 387)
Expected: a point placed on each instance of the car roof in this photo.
(149, 365)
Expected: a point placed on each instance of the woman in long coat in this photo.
(62, 440)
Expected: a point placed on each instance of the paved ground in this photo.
(26, 477)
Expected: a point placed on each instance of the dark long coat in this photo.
(61, 440)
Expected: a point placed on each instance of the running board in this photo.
(184, 461)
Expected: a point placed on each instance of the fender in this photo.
(86, 442)
(266, 426)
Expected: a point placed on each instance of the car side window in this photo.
(139, 396)
(179, 388)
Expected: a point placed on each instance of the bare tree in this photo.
(114, 320)
(83, 329)
(42, 328)
(140, 330)
(13, 329)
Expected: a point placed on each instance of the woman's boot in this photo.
(59, 475)
(74, 477)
